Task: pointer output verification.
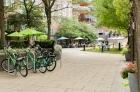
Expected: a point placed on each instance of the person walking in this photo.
(106, 43)
(103, 46)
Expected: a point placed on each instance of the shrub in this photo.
(125, 49)
(17, 43)
(36, 43)
(47, 43)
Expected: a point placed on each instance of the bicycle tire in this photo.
(23, 68)
(4, 65)
(51, 62)
(41, 68)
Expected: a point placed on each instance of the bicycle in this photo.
(15, 65)
(50, 57)
(36, 63)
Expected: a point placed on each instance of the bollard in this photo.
(84, 47)
(102, 48)
(119, 46)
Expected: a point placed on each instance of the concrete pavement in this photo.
(80, 72)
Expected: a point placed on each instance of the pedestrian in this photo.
(103, 46)
(106, 43)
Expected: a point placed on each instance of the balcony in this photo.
(89, 16)
(80, 8)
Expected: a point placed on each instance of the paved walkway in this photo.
(80, 72)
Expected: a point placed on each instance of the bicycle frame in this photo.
(11, 60)
(33, 60)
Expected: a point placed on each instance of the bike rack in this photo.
(60, 52)
(34, 60)
(9, 63)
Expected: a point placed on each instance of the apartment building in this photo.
(59, 4)
(81, 11)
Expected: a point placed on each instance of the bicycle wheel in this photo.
(45, 54)
(51, 64)
(41, 68)
(4, 65)
(23, 70)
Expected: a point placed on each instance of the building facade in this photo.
(63, 7)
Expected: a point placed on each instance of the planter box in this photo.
(133, 82)
(127, 56)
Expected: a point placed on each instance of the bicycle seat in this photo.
(52, 55)
(39, 57)
(20, 59)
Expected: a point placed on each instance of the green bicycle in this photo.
(36, 63)
(14, 64)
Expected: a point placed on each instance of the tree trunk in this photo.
(128, 32)
(49, 23)
(132, 32)
(137, 36)
(2, 22)
(28, 19)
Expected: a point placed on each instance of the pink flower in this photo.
(129, 68)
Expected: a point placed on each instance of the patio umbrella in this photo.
(79, 38)
(62, 38)
(16, 34)
(100, 39)
(31, 32)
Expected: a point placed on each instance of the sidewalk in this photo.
(80, 72)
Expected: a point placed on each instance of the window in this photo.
(65, 10)
(52, 31)
(100, 33)
(43, 13)
(59, 13)
(5, 24)
(52, 14)
(8, 2)
(36, 2)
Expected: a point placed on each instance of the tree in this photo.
(112, 13)
(136, 18)
(29, 6)
(2, 22)
(48, 10)
(36, 18)
(72, 28)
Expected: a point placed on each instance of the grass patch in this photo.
(111, 51)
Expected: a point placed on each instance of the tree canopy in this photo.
(71, 28)
(112, 13)
(34, 18)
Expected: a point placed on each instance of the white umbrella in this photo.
(100, 39)
(79, 38)
(62, 38)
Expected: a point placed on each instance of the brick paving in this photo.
(80, 72)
